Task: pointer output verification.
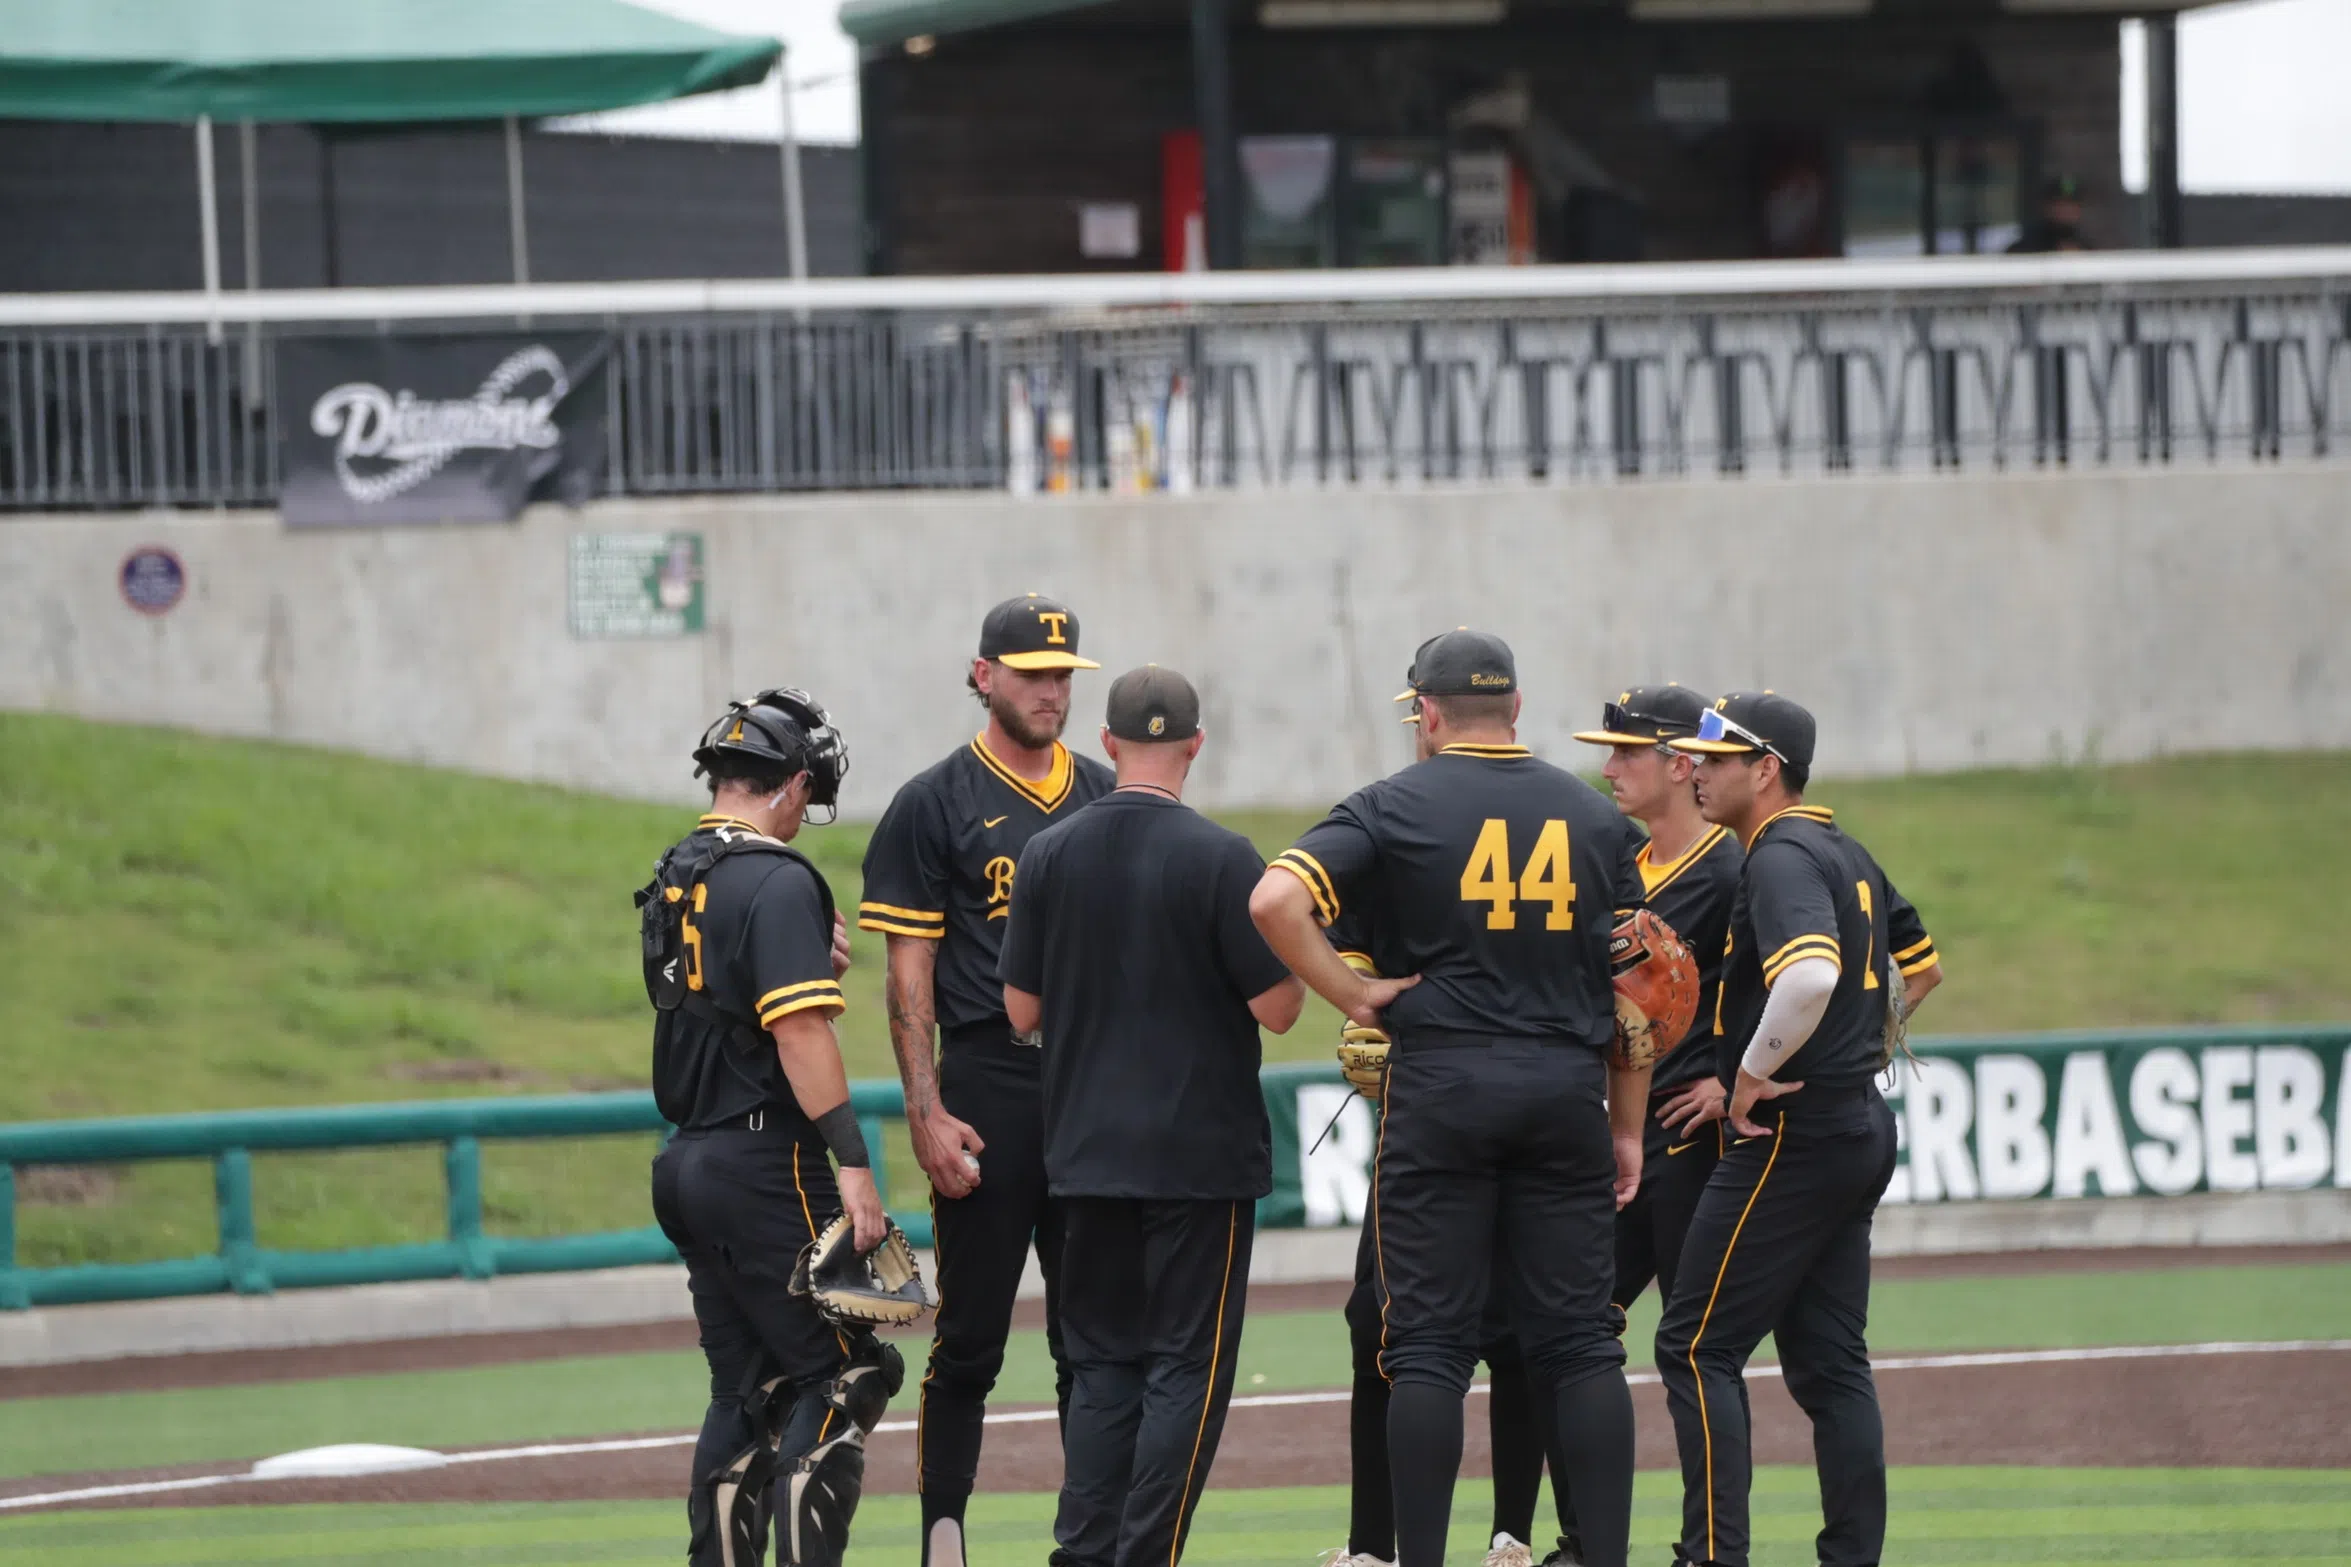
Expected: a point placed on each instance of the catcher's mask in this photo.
(786, 726)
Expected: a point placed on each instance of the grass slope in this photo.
(1280, 1352)
(189, 923)
(1938, 1517)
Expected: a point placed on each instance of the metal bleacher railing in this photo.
(1149, 381)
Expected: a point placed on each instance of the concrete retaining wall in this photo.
(1932, 623)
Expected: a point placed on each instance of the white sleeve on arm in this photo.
(1790, 1013)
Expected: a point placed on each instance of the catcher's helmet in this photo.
(786, 727)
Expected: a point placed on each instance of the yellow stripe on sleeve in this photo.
(916, 916)
(1779, 960)
(1795, 952)
(1303, 866)
(828, 995)
(1923, 944)
(894, 928)
(1920, 964)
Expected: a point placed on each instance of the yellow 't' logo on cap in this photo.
(1053, 621)
(735, 733)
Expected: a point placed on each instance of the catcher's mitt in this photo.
(1363, 1052)
(1656, 983)
(881, 1289)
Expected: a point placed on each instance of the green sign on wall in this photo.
(636, 584)
(2140, 1114)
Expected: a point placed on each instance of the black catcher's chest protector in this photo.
(670, 907)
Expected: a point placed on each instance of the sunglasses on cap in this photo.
(1714, 727)
(1617, 718)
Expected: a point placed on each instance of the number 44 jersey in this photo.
(1494, 876)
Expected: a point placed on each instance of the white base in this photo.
(345, 1459)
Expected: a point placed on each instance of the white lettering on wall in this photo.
(1335, 1179)
(1942, 1105)
(2012, 1148)
(2289, 1122)
(2229, 1166)
(2163, 1097)
(2090, 1143)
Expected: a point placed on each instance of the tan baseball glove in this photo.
(1363, 1052)
(882, 1288)
(1656, 983)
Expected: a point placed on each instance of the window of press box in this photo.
(1325, 201)
(1943, 192)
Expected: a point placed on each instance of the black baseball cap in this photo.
(1151, 704)
(1461, 662)
(1747, 721)
(1647, 715)
(1032, 633)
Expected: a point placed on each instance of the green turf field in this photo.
(1940, 1517)
(1280, 1352)
(189, 923)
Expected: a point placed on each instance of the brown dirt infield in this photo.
(2269, 1409)
(227, 1368)
(2276, 1409)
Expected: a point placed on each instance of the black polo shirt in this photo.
(1131, 922)
(941, 864)
(1496, 878)
(1809, 891)
(759, 947)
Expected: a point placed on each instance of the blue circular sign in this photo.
(153, 580)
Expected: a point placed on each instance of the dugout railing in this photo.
(2067, 1116)
(1146, 382)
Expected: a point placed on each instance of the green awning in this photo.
(879, 22)
(347, 60)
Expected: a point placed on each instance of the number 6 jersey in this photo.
(1493, 875)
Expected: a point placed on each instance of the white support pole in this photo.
(518, 232)
(795, 213)
(208, 199)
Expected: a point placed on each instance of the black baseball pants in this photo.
(983, 1243)
(1675, 1168)
(1514, 1421)
(1152, 1322)
(740, 1205)
(1780, 1245)
(1499, 1142)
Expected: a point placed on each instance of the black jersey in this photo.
(1693, 894)
(1132, 924)
(1808, 891)
(941, 864)
(1496, 878)
(758, 947)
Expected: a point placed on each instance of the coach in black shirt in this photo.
(1130, 945)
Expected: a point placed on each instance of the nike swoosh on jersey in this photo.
(990, 821)
(1674, 1148)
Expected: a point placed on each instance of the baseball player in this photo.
(1130, 946)
(743, 961)
(1825, 960)
(938, 885)
(1492, 881)
(1513, 1430)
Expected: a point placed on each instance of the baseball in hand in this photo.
(971, 1167)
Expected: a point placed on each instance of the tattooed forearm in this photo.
(913, 1020)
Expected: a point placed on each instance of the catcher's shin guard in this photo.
(816, 1497)
(729, 1514)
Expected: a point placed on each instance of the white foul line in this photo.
(1010, 1417)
